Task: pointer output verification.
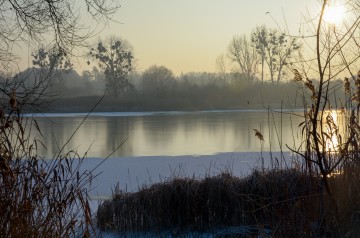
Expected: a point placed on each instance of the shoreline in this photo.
(152, 113)
(132, 173)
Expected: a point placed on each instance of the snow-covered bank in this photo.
(130, 173)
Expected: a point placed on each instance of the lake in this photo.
(157, 146)
(168, 133)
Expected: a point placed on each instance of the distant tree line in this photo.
(158, 88)
(244, 78)
(266, 54)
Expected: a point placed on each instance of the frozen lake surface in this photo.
(168, 133)
(132, 173)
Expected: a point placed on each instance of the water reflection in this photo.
(202, 133)
(333, 129)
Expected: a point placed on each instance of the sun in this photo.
(334, 14)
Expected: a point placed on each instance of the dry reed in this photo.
(277, 202)
(38, 197)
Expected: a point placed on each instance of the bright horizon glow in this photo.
(334, 14)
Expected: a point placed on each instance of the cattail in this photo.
(310, 112)
(12, 100)
(330, 121)
(347, 85)
(297, 75)
(259, 135)
(311, 87)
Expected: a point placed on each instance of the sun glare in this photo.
(334, 14)
(330, 124)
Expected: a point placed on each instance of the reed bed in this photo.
(272, 202)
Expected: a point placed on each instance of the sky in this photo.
(188, 35)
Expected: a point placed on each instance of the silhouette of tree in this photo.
(244, 55)
(53, 59)
(221, 66)
(115, 57)
(275, 49)
(157, 78)
(33, 21)
(54, 65)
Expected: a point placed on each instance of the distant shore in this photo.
(146, 113)
(94, 103)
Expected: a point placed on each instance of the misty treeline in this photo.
(157, 88)
(254, 74)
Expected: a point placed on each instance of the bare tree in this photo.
(221, 66)
(244, 55)
(26, 21)
(258, 38)
(275, 49)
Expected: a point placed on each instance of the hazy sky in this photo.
(188, 35)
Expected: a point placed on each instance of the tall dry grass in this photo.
(39, 197)
(331, 143)
(274, 202)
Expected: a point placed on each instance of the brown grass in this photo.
(281, 201)
(38, 197)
